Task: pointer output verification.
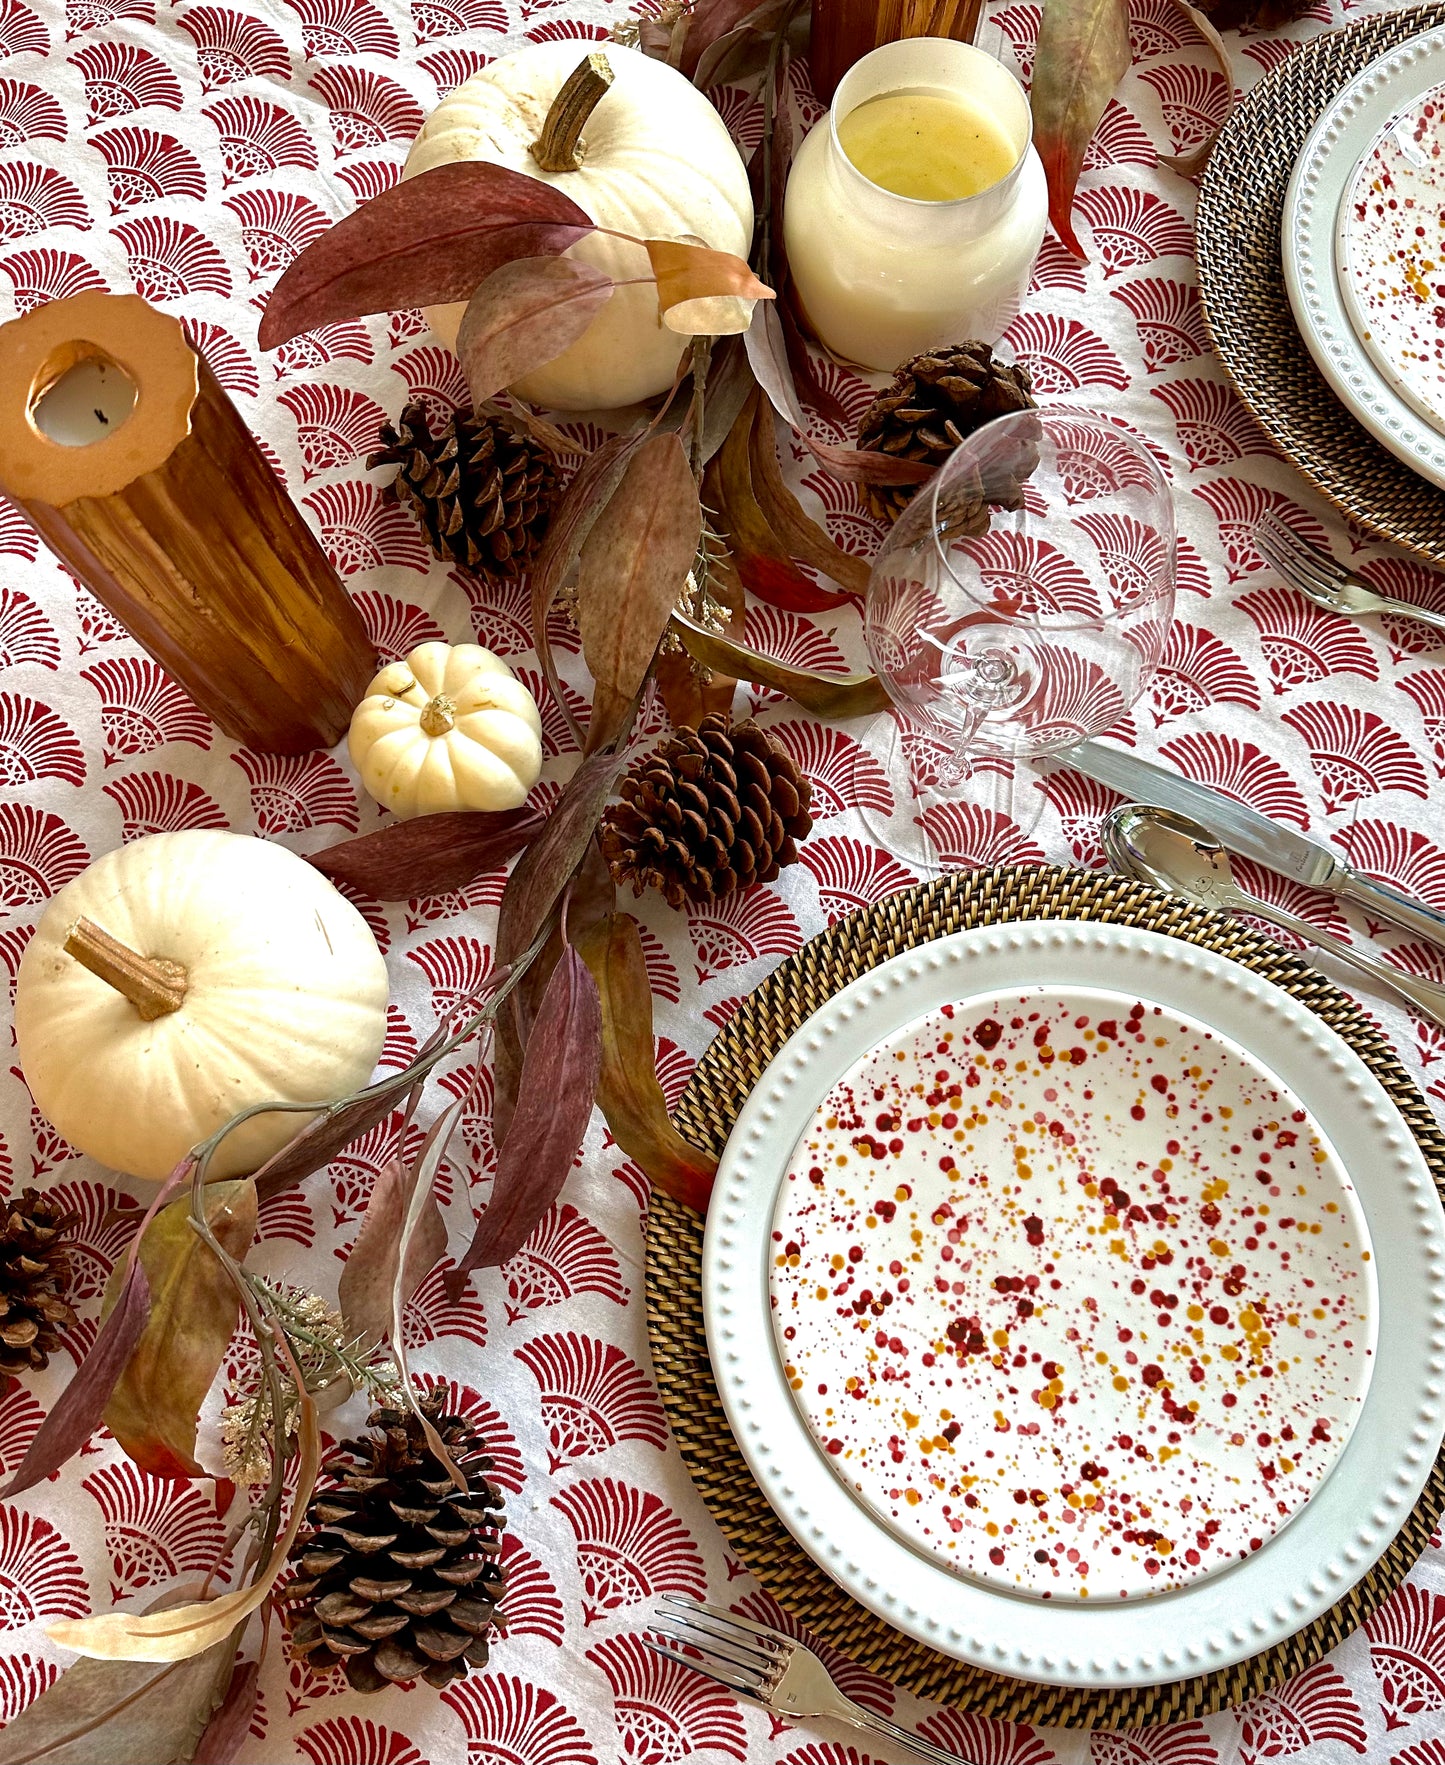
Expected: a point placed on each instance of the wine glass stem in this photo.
(955, 768)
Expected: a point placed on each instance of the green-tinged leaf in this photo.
(525, 314)
(123, 1712)
(369, 1278)
(730, 384)
(420, 1204)
(80, 1408)
(1190, 164)
(430, 239)
(761, 558)
(826, 695)
(1083, 53)
(582, 502)
(430, 854)
(154, 1407)
(545, 868)
(714, 286)
(554, 1104)
(630, 573)
(187, 1630)
(801, 535)
(628, 1092)
(227, 1730)
(768, 353)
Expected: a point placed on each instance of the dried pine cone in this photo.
(482, 492)
(937, 400)
(1254, 15)
(34, 1278)
(710, 810)
(400, 1579)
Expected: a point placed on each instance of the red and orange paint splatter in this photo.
(1073, 1293)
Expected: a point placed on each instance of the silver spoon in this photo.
(1177, 855)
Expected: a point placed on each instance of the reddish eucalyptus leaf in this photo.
(554, 1105)
(545, 868)
(582, 502)
(1082, 55)
(154, 1407)
(431, 239)
(628, 1093)
(768, 352)
(801, 535)
(630, 572)
(322, 1138)
(762, 561)
(80, 1408)
(687, 272)
(591, 895)
(369, 1278)
(712, 20)
(429, 855)
(227, 1729)
(524, 314)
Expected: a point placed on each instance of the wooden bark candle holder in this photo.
(844, 31)
(141, 475)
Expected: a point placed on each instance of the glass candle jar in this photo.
(880, 276)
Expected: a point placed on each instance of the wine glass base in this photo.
(935, 826)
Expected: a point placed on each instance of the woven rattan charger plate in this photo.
(720, 1085)
(1241, 282)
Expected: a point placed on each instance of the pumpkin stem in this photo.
(439, 716)
(151, 983)
(559, 147)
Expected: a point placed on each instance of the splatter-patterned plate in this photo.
(1072, 1293)
(1079, 1390)
(1390, 253)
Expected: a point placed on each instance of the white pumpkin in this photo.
(281, 995)
(658, 164)
(448, 727)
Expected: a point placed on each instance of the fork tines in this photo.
(1295, 558)
(744, 1656)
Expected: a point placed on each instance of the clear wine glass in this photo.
(1019, 606)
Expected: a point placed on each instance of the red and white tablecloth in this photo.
(188, 152)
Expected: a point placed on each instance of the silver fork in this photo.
(1328, 584)
(774, 1670)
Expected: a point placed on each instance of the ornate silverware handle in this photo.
(1399, 909)
(905, 1737)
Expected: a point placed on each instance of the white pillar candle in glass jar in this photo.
(936, 243)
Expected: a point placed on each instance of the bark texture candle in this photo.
(916, 207)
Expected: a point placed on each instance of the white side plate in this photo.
(1311, 208)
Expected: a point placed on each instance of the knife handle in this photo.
(1397, 908)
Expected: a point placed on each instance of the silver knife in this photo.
(1248, 834)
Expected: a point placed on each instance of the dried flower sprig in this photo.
(333, 1363)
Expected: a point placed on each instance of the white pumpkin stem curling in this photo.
(439, 716)
(154, 985)
(559, 148)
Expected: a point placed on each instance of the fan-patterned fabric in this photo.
(188, 152)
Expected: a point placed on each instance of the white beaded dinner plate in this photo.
(1322, 175)
(1373, 1373)
(1390, 253)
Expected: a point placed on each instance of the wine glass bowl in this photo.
(1023, 599)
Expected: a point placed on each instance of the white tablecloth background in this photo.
(112, 118)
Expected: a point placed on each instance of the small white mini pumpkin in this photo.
(183, 978)
(657, 163)
(448, 727)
